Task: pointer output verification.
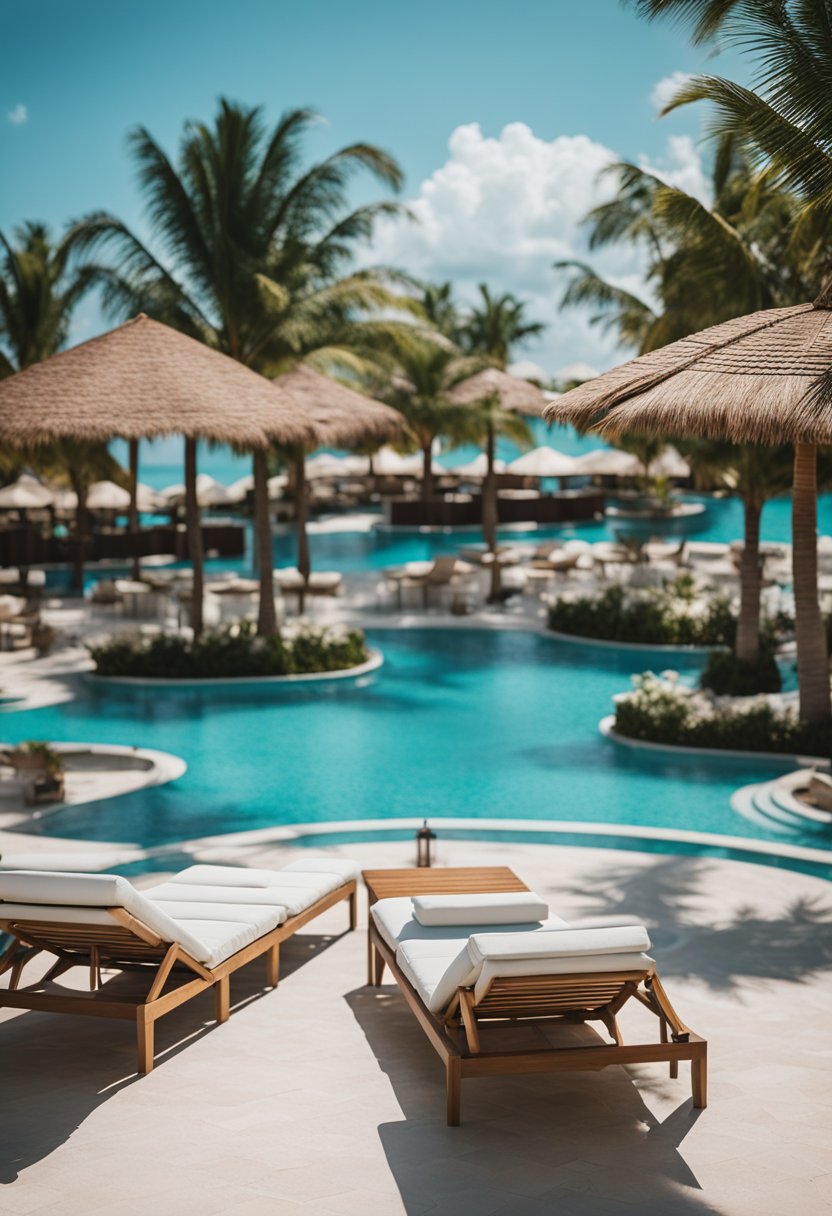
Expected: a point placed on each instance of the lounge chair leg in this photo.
(453, 1081)
(273, 966)
(378, 968)
(371, 960)
(674, 1064)
(353, 900)
(144, 1031)
(222, 993)
(699, 1081)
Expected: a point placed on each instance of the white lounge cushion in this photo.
(222, 938)
(64, 887)
(395, 923)
(558, 944)
(264, 918)
(189, 893)
(295, 890)
(496, 908)
(567, 964)
(347, 870)
(436, 971)
(150, 916)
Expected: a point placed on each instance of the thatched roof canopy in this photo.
(749, 380)
(140, 380)
(339, 416)
(512, 393)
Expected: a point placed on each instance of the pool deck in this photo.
(325, 1097)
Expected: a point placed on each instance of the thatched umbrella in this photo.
(752, 380)
(495, 390)
(143, 380)
(339, 417)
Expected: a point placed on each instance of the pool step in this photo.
(771, 804)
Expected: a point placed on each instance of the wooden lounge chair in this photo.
(176, 940)
(444, 571)
(507, 998)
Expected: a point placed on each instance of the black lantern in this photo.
(424, 841)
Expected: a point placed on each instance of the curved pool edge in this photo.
(630, 647)
(147, 683)
(791, 759)
(583, 834)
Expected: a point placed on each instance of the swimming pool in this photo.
(463, 722)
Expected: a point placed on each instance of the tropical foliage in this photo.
(233, 652)
(660, 711)
(248, 253)
(672, 616)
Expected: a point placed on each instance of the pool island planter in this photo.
(144, 683)
(790, 759)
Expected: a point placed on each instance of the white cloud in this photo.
(665, 90)
(682, 167)
(18, 115)
(502, 210)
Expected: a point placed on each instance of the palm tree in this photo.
(705, 265)
(247, 247)
(785, 122)
(425, 373)
(441, 310)
(497, 325)
(41, 283)
(754, 474)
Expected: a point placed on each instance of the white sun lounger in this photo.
(179, 938)
(495, 982)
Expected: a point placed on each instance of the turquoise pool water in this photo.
(471, 723)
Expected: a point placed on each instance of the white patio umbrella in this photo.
(476, 468)
(25, 494)
(389, 463)
(544, 462)
(238, 490)
(107, 496)
(670, 464)
(210, 492)
(608, 462)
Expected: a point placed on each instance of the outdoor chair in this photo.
(502, 987)
(444, 571)
(174, 941)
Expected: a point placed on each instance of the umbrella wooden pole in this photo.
(266, 614)
(194, 535)
(79, 485)
(489, 515)
(133, 514)
(812, 656)
(748, 625)
(304, 565)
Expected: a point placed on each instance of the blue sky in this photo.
(512, 87)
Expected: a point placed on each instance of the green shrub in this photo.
(726, 675)
(232, 652)
(659, 712)
(672, 616)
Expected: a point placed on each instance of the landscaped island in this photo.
(660, 710)
(232, 653)
(675, 615)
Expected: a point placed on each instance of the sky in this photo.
(501, 115)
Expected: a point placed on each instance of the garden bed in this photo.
(234, 655)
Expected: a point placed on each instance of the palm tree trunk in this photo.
(489, 516)
(300, 523)
(812, 656)
(133, 514)
(748, 625)
(266, 612)
(427, 473)
(79, 485)
(194, 529)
